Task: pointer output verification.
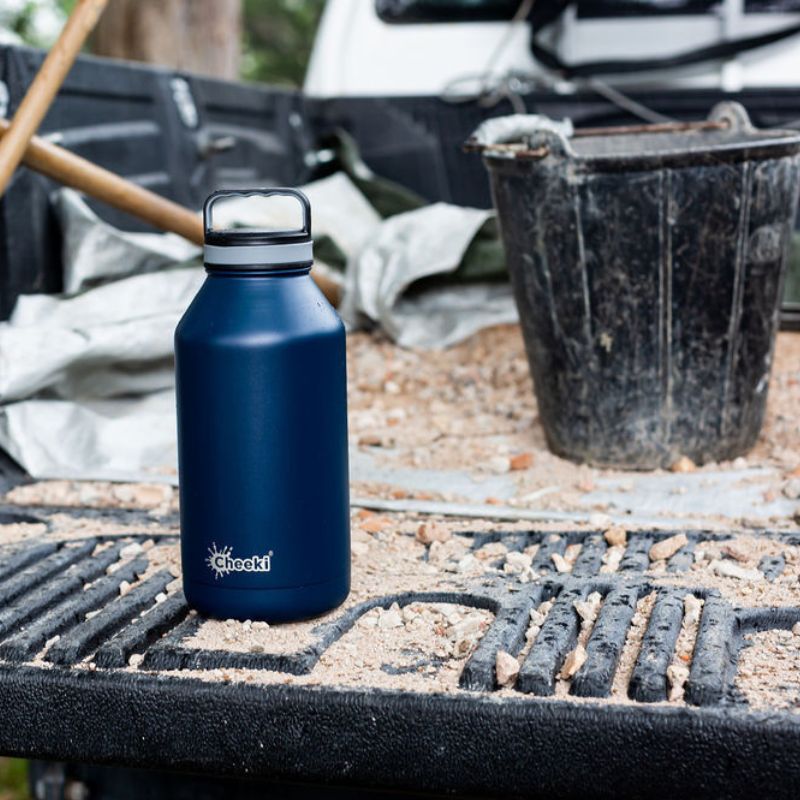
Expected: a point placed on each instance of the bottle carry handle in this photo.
(304, 232)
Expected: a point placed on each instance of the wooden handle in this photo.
(45, 86)
(72, 170)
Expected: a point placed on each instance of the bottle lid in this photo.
(256, 248)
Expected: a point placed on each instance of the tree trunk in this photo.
(201, 36)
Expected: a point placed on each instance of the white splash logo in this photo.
(222, 562)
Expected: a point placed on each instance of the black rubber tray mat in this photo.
(70, 689)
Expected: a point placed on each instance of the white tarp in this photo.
(420, 244)
(86, 381)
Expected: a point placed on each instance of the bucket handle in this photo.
(305, 231)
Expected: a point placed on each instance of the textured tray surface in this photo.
(631, 655)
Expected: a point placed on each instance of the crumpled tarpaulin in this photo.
(86, 379)
(385, 281)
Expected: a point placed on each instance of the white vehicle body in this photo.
(356, 54)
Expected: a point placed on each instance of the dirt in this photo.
(469, 408)
(749, 549)
(472, 408)
(157, 497)
(768, 673)
(423, 647)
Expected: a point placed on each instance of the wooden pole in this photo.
(72, 170)
(45, 86)
(77, 172)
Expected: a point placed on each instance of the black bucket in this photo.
(648, 265)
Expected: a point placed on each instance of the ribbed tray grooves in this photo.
(507, 632)
(143, 632)
(71, 611)
(557, 637)
(590, 557)
(73, 646)
(714, 654)
(649, 679)
(48, 588)
(44, 569)
(595, 677)
(543, 560)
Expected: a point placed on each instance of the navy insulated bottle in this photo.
(262, 429)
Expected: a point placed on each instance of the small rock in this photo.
(452, 549)
(616, 536)
(587, 609)
(160, 597)
(430, 532)
(739, 463)
(677, 675)
(491, 550)
(538, 616)
(532, 632)
(247, 624)
(469, 626)
(573, 662)
(666, 548)
(256, 648)
(727, 569)
(391, 387)
(561, 563)
(684, 464)
(391, 617)
(92, 666)
(124, 588)
(735, 551)
(131, 550)
(691, 608)
(370, 440)
(611, 559)
(517, 563)
(135, 659)
(506, 668)
(374, 524)
(521, 461)
(796, 629)
(499, 464)
(260, 626)
(469, 564)
(601, 521)
(792, 489)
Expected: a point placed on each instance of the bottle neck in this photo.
(287, 271)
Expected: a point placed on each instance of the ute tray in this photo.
(92, 673)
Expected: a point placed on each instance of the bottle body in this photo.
(262, 448)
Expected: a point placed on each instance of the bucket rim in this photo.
(742, 141)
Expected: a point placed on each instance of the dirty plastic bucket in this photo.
(648, 265)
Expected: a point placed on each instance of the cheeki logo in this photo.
(222, 562)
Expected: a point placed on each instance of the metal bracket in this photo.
(184, 102)
(5, 99)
